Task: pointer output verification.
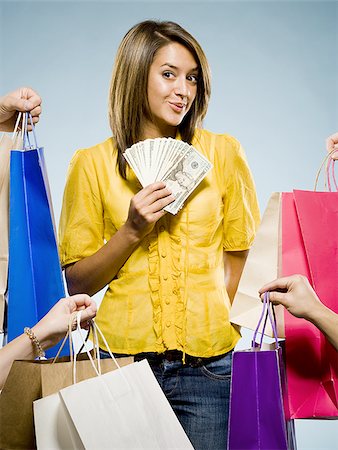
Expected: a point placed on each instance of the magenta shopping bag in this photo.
(257, 420)
(310, 248)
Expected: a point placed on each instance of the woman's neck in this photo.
(152, 131)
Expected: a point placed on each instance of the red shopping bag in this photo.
(310, 247)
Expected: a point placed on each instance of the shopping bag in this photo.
(122, 409)
(261, 267)
(5, 147)
(30, 380)
(257, 420)
(310, 247)
(35, 280)
(6, 144)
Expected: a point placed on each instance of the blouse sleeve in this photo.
(81, 229)
(241, 210)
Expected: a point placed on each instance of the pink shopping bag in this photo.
(310, 247)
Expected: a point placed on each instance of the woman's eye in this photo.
(193, 78)
(168, 74)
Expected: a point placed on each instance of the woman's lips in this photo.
(178, 107)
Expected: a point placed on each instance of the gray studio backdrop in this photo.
(274, 67)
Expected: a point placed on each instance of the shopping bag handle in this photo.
(266, 314)
(23, 131)
(95, 329)
(330, 176)
(26, 133)
(73, 357)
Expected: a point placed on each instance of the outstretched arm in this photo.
(49, 330)
(297, 296)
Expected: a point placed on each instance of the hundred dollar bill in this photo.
(175, 162)
(185, 177)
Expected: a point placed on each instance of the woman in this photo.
(171, 279)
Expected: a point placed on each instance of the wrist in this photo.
(317, 313)
(131, 234)
(37, 349)
(43, 336)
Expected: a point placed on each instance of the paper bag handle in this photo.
(95, 329)
(330, 167)
(267, 314)
(23, 132)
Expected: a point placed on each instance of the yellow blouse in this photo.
(170, 293)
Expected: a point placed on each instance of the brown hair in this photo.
(128, 101)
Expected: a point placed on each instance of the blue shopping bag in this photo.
(35, 281)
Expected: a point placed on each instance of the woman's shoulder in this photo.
(221, 139)
(98, 156)
(101, 151)
(222, 145)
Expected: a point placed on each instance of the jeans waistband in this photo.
(176, 355)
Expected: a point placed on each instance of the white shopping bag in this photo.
(54, 429)
(127, 409)
(122, 409)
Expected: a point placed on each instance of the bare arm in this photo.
(49, 330)
(298, 297)
(233, 268)
(96, 271)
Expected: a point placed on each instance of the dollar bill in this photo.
(185, 177)
(175, 162)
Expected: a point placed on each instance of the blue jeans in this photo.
(200, 398)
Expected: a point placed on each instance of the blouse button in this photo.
(165, 277)
(162, 228)
(167, 301)
(163, 254)
(168, 324)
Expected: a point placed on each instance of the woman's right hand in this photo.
(146, 208)
(332, 144)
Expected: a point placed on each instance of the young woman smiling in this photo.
(171, 279)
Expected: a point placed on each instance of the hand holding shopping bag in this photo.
(29, 380)
(123, 409)
(35, 281)
(296, 236)
(257, 419)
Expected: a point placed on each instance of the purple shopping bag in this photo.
(257, 419)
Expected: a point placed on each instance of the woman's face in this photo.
(172, 87)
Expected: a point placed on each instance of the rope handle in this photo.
(23, 133)
(73, 358)
(330, 176)
(267, 313)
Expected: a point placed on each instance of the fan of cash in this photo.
(179, 165)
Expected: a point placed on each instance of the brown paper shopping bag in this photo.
(5, 148)
(31, 380)
(6, 145)
(261, 267)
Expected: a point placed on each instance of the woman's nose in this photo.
(182, 88)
